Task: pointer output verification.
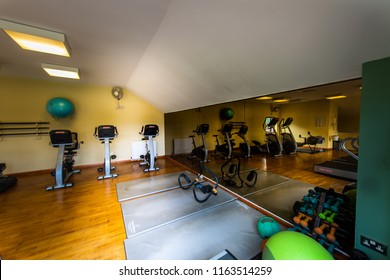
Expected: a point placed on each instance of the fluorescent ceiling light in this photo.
(36, 39)
(280, 100)
(264, 98)
(61, 71)
(335, 96)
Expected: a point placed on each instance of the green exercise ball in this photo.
(60, 107)
(292, 245)
(226, 114)
(266, 226)
(351, 195)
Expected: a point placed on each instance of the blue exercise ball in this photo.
(59, 107)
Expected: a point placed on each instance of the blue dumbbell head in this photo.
(336, 205)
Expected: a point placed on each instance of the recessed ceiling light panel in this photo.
(61, 71)
(36, 39)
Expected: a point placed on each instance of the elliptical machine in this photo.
(106, 133)
(200, 151)
(67, 144)
(149, 131)
(226, 148)
(272, 145)
(288, 141)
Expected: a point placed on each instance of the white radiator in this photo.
(138, 148)
(182, 146)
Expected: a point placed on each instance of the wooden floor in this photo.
(85, 222)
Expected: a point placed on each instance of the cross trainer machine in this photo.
(272, 145)
(149, 131)
(106, 133)
(67, 144)
(226, 148)
(200, 151)
(288, 141)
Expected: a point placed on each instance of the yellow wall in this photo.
(24, 100)
(310, 117)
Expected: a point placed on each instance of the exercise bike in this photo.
(200, 151)
(6, 182)
(231, 169)
(149, 131)
(106, 133)
(226, 148)
(245, 148)
(202, 190)
(67, 144)
(288, 141)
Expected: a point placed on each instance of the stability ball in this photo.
(292, 245)
(226, 114)
(59, 107)
(266, 226)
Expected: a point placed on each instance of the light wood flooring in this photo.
(84, 222)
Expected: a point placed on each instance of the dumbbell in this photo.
(320, 229)
(324, 214)
(336, 205)
(314, 198)
(307, 209)
(309, 195)
(330, 218)
(297, 219)
(328, 202)
(330, 236)
(305, 222)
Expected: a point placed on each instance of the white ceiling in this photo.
(181, 54)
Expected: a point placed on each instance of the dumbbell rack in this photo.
(316, 216)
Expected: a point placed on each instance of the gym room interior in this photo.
(179, 64)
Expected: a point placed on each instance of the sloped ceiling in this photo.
(183, 54)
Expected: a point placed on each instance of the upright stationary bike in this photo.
(200, 151)
(244, 146)
(149, 131)
(226, 148)
(106, 133)
(67, 144)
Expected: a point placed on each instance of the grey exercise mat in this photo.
(264, 180)
(280, 199)
(150, 185)
(201, 236)
(155, 210)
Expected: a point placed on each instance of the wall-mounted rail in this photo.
(23, 128)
